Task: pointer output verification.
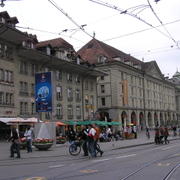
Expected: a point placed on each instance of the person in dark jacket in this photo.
(84, 137)
(71, 135)
(166, 134)
(15, 146)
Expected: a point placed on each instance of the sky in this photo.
(143, 32)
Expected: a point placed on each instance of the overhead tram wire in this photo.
(55, 33)
(62, 11)
(170, 36)
(135, 32)
(126, 12)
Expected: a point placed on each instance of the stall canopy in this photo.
(99, 123)
(20, 120)
(60, 124)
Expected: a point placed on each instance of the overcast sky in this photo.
(146, 39)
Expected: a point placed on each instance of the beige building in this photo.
(134, 91)
(21, 56)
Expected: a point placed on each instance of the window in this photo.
(102, 59)
(102, 77)
(59, 111)
(59, 93)
(69, 77)
(58, 75)
(91, 86)
(103, 102)
(23, 67)
(23, 108)
(78, 96)
(34, 69)
(78, 112)
(1, 97)
(32, 108)
(1, 75)
(32, 89)
(70, 94)
(102, 89)
(78, 79)
(70, 112)
(86, 85)
(23, 88)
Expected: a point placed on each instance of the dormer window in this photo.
(102, 59)
(48, 50)
(3, 20)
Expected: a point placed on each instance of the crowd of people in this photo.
(89, 135)
(161, 135)
(15, 139)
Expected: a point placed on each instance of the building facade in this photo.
(133, 92)
(22, 56)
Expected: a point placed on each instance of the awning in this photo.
(97, 122)
(60, 124)
(6, 120)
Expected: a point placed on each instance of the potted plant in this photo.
(23, 143)
(42, 143)
(60, 140)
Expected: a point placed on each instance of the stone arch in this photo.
(156, 123)
(133, 118)
(124, 118)
(161, 119)
(141, 120)
(150, 124)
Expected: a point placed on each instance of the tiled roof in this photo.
(59, 42)
(94, 48)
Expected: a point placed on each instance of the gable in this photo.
(152, 69)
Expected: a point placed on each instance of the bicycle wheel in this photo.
(74, 149)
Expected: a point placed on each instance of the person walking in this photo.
(96, 138)
(15, 144)
(91, 141)
(157, 135)
(84, 137)
(161, 129)
(29, 137)
(166, 134)
(147, 133)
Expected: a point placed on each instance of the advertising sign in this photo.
(43, 92)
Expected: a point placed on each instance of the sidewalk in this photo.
(62, 149)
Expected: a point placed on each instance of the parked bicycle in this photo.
(76, 146)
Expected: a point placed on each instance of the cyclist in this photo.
(71, 135)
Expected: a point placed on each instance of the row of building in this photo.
(96, 82)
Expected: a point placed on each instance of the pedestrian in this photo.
(96, 138)
(166, 134)
(161, 129)
(157, 135)
(91, 141)
(134, 130)
(84, 137)
(147, 133)
(71, 135)
(15, 143)
(29, 134)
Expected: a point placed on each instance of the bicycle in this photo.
(75, 147)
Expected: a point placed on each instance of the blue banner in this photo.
(43, 92)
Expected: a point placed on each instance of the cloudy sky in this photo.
(145, 33)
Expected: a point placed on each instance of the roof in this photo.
(9, 19)
(94, 48)
(59, 42)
